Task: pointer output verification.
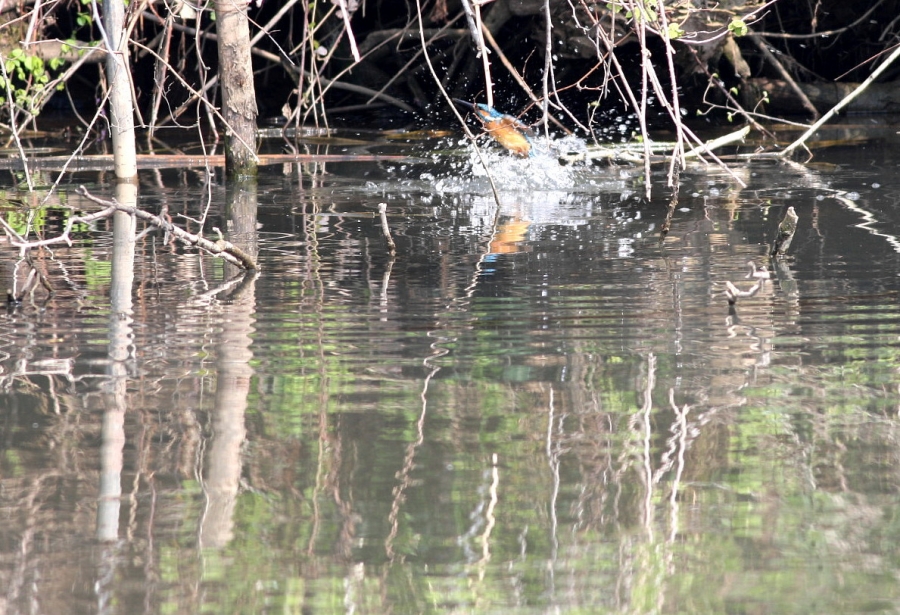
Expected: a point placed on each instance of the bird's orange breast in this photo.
(510, 136)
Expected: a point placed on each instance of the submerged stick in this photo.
(382, 211)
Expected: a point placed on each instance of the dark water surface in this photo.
(541, 408)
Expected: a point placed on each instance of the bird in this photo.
(505, 129)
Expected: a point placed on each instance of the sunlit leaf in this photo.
(737, 27)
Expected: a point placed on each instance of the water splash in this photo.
(541, 172)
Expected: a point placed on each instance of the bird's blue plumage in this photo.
(507, 130)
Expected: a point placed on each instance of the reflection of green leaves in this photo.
(31, 222)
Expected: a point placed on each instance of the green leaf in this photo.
(737, 27)
(674, 31)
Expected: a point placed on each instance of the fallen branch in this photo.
(222, 248)
(843, 103)
(100, 162)
(225, 250)
(633, 152)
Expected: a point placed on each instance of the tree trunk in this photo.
(121, 109)
(238, 93)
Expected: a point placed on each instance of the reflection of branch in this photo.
(646, 437)
(869, 219)
(680, 443)
(733, 292)
(15, 294)
(399, 491)
(20, 242)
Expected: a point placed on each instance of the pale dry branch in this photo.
(843, 103)
(473, 18)
(345, 15)
(222, 248)
(456, 112)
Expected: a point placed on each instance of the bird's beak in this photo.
(464, 104)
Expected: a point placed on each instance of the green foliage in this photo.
(85, 18)
(675, 30)
(27, 79)
(642, 10)
(737, 27)
(24, 73)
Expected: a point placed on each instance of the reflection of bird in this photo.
(759, 274)
(504, 129)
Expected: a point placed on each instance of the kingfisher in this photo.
(506, 130)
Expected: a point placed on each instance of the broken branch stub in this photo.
(786, 229)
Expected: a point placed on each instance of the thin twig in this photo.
(516, 75)
(677, 161)
(453, 108)
(250, 147)
(823, 33)
(770, 57)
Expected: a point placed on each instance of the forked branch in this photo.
(222, 248)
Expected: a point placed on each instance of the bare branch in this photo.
(221, 248)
